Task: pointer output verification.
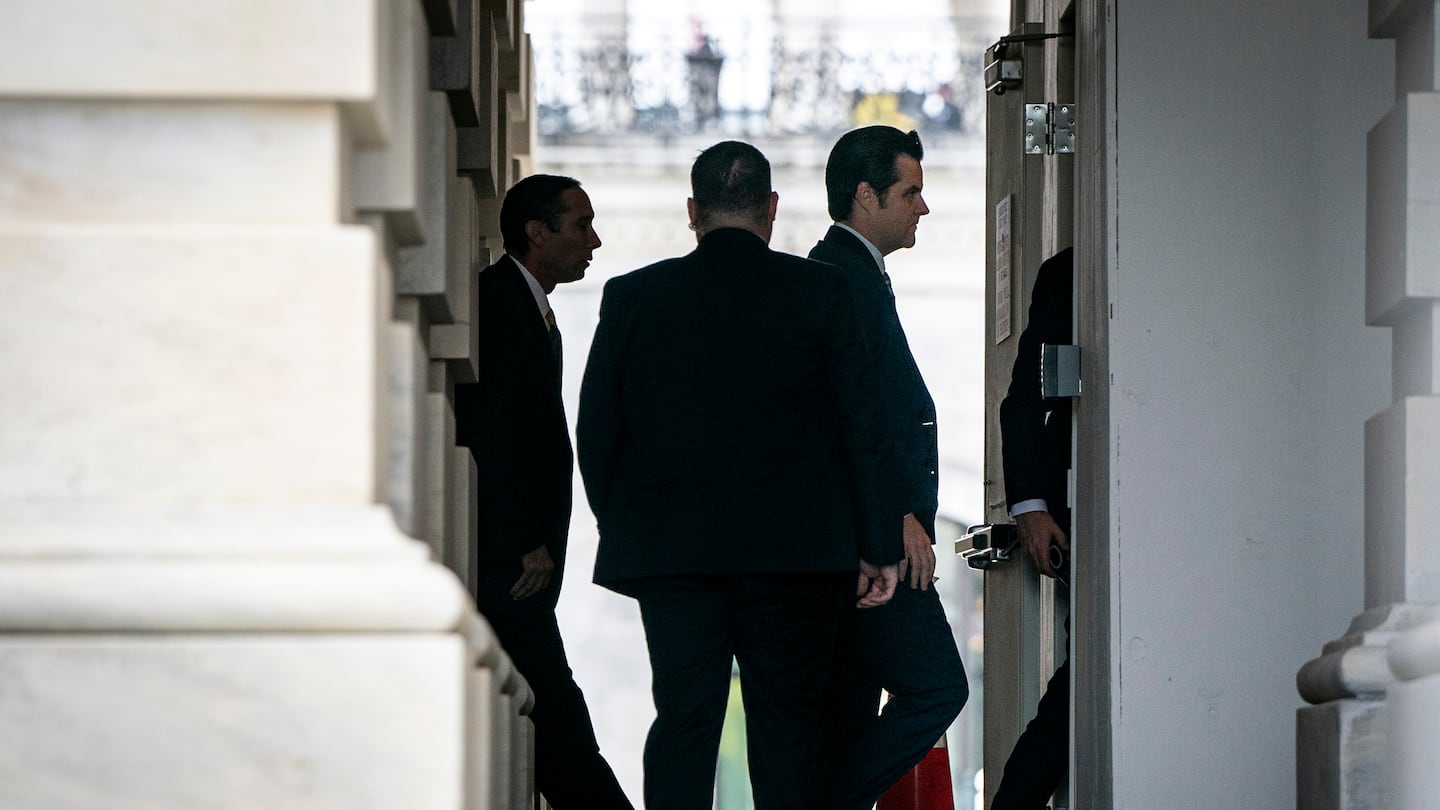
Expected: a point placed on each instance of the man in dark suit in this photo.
(873, 181)
(727, 446)
(1035, 451)
(513, 421)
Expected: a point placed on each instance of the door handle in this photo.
(985, 545)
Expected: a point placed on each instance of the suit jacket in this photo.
(513, 421)
(910, 481)
(1035, 432)
(726, 420)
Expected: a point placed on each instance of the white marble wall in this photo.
(1235, 374)
(235, 257)
(1403, 468)
(1369, 740)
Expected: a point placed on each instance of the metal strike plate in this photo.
(1059, 371)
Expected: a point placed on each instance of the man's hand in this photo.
(1038, 531)
(538, 568)
(877, 584)
(919, 555)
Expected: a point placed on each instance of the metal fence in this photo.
(608, 75)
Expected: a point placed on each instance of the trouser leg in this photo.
(786, 628)
(852, 699)
(1041, 756)
(908, 650)
(569, 770)
(688, 630)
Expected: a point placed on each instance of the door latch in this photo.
(1002, 70)
(983, 546)
(1004, 65)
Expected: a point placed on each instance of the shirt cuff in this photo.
(1032, 505)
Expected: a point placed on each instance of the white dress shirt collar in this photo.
(874, 251)
(542, 301)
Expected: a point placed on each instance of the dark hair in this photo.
(866, 155)
(730, 177)
(535, 197)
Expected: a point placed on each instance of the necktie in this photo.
(556, 350)
(888, 285)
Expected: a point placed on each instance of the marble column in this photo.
(1368, 740)
(218, 398)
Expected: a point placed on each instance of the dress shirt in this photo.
(542, 301)
(1032, 505)
(874, 251)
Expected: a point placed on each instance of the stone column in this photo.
(1369, 740)
(1403, 444)
(217, 398)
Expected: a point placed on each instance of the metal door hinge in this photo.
(1050, 128)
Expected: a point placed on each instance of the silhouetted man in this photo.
(513, 421)
(1035, 451)
(727, 443)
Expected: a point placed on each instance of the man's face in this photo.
(567, 250)
(901, 207)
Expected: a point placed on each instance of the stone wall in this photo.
(237, 241)
(1369, 739)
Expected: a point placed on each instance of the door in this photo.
(1029, 218)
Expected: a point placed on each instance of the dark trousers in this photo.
(1042, 754)
(905, 647)
(569, 770)
(781, 630)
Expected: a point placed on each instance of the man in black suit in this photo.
(873, 181)
(513, 421)
(1035, 451)
(727, 446)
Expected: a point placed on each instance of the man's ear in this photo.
(536, 232)
(774, 204)
(690, 210)
(865, 196)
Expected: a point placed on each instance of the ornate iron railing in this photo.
(606, 76)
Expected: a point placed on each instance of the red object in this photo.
(925, 787)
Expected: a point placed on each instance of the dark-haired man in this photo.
(513, 421)
(727, 445)
(873, 183)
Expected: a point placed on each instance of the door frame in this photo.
(1096, 664)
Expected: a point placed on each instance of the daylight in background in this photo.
(628, 92)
